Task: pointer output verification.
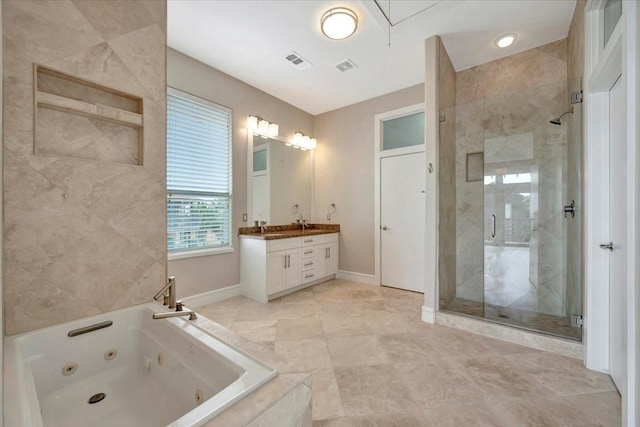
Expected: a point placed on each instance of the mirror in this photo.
(279, 182)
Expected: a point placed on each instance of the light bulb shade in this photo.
(252, 123)
(303, 141)
(339, 23)
(263, 127)
(273, 129)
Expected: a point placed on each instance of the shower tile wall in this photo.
(446, 176)
(514, 97)
(84, 232)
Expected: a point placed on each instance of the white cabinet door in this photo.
(283, 270)
(276, 267)
(332, 259)
(292, 272)
(326, 261)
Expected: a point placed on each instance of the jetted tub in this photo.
(137, 372)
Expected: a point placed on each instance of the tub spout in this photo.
(190, 313)
(169, 293)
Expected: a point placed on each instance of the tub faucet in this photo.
(190, 313)
(168, 292)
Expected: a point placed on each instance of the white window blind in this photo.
(198, 173)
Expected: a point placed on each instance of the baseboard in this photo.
(211, 297)
(428, 314)
(357, 277)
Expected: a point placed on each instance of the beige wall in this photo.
(206, 273)
(344, 173)
(82, 236)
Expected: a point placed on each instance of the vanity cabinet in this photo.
(272, 268)
(322, 257)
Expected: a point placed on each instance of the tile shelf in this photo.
(114, 131)
(97, 111)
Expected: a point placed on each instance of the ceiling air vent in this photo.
(346, 65)
(297, 60)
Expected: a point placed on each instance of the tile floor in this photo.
(375, 363)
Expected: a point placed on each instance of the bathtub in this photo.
(137, 372)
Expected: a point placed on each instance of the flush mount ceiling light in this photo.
(339, 23)
(505, 40)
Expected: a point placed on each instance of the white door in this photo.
(402, 217)
(617, 234)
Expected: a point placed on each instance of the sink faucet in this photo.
(263, 226)
(168, 292)
(302, 223)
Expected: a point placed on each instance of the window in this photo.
(198, 174)
(403, 131)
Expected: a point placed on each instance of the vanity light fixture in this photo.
(262, 127)
(339, 23)
(303, 142)
(505, 40)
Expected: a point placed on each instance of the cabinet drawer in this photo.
(308, 252)
(283, 244)
(309, 276)
(319, 239)
(308, 264)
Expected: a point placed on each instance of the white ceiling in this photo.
(249, 39)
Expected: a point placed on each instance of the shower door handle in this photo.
(493, 226)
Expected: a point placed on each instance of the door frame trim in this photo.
(603, 66)
(621, 56)
(379, 154)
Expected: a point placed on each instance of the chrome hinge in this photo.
(576, 320)
(576, 97)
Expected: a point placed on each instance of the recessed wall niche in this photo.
(81, 119)
(475, 167)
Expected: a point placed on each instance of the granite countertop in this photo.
(274, 232)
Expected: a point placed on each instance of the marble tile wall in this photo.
(446, 177)
(514, 98)
(82, 236)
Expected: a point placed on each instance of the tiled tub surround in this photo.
(375, 363)
(82, 223)
(284, 260)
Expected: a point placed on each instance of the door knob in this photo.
(385, 228)
(607, 246)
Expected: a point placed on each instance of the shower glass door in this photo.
(527, 184)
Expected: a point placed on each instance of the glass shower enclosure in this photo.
(518, 219)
